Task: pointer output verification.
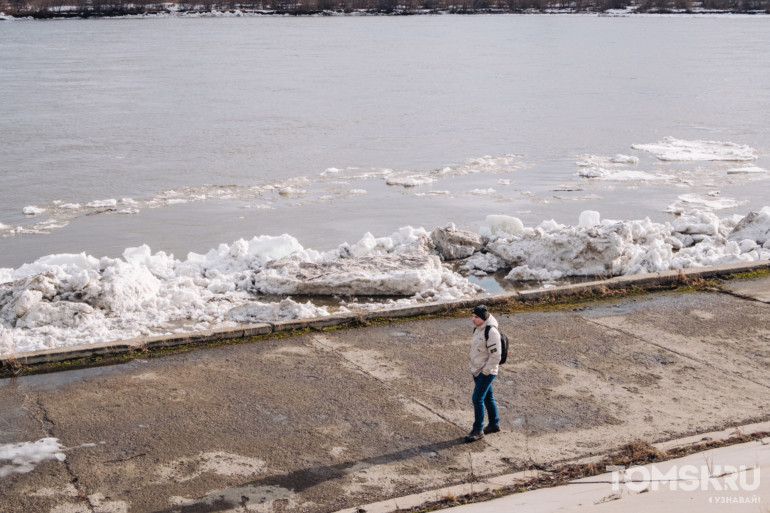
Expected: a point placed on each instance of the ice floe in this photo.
(454, 244)
(622, 175)
(615, 169)
(747, 170)
(408, 179)
(482, 192)
(711, 201)
(107, 203)
(32, 210)
(672, 149)
(600, 161)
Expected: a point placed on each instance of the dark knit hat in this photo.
(481, 311)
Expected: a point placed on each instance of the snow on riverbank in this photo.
(66, 299)
(605, 248)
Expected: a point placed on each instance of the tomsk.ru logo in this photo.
(687, 478)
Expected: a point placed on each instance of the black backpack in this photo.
(503, 344)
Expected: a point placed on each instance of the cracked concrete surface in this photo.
(335, 419)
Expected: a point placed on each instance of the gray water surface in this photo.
(124, 108)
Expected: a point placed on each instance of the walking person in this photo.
(484, 363)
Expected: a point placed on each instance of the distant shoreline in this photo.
(611, 8)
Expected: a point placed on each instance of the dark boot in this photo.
(474, 436)
(492, 429)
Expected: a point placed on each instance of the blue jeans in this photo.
(483, 396)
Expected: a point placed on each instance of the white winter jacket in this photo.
(485, 354)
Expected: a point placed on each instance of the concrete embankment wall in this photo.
(141, 344)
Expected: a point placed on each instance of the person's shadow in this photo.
(304, 479)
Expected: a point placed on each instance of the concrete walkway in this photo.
(338, 419)
(723, 480)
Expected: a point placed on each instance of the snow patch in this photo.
(25, 456)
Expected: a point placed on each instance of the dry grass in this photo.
(11, 366)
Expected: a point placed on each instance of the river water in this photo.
(186, 133)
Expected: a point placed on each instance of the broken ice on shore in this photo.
(605, 248)
(68, 299)
(63, 300)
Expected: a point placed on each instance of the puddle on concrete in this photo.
(56, 380)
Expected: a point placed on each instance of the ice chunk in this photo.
(624, 159)
(747, 170)
(453, 244)
(127, 287)
(286, 309)
(747, 245)
(487, 164)
(755, 226)
(690, 202)
(61, 314)
(501, 225)
(589, 218)
(697, 223)
(32, 210)
(599, 162)
(524, 273)
(486, 262)
(102, 203)
(570, 251)
(381, 275)
(244, 254)
(408, 179)
(621, 176)
(25, 301)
